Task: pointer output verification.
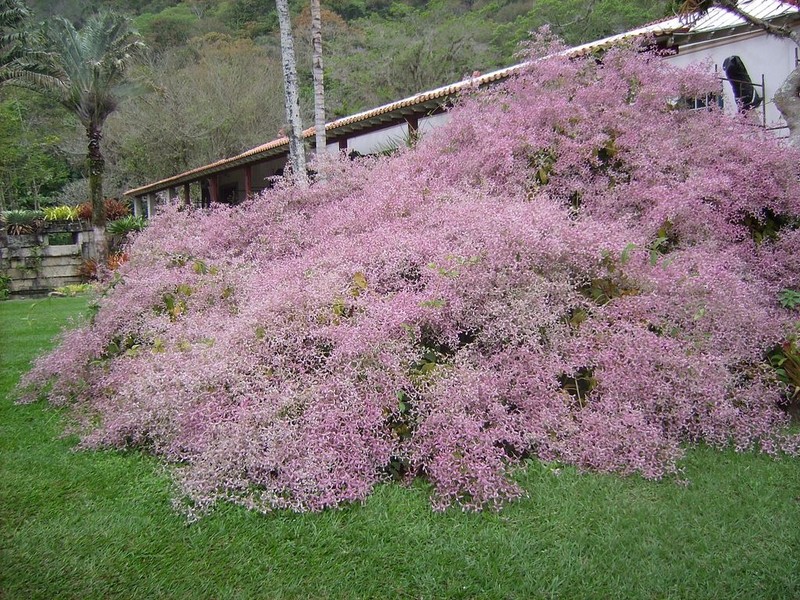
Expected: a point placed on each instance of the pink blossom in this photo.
(566, 271)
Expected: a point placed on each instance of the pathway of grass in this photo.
(100, 525)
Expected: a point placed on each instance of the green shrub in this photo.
(5, 287)
(789, 298)
(114, 209)
(785, 359)
(73, 289)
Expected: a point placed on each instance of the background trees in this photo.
(376, 51)
(13, 15)
(33, 163)
(181, 124)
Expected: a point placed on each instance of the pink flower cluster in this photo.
(573, 269)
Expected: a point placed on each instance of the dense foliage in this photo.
(573, 269)
(34, 163)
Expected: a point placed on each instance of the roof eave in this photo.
(690, 37)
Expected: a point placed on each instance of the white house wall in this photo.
(389, 137)
(378, 141)
(333, 148)
(762, 54)
(431, 122)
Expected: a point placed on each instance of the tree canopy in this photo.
(13, 17)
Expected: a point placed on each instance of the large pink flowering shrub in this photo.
(574, 269)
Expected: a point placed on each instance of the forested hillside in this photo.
(214, 85)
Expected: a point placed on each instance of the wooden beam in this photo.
(213, 189)
(187, 195)
(413, 123)
(173, 194)
(343, 143)
(248, 181)
(413, 128)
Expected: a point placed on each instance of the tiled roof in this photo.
(714, 20)
(718, 19)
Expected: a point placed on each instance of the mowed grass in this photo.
(100, 525)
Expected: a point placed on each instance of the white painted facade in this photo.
(431, 122)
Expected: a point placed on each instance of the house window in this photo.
(703, 102)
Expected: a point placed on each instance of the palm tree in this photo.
(87, 71)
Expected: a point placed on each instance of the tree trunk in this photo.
(319, 84)
(297, 153)
(35, 193)
(787, 101)
(96, 165)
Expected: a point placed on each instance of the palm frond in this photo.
(34, 80)
(13, 13)
(85, 69)
(13, 35)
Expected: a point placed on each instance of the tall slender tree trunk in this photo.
(319, 80)
(96, 165)
(297, 153)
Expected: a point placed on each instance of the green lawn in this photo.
(100, 525)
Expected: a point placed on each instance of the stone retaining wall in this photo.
(35, 266)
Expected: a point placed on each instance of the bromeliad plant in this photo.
(120, 231)
(125, 225)
(552, 275)
(89, 270)
(114, 209)
(21, 222)
(60, 213)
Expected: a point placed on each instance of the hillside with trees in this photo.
(213, 75)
